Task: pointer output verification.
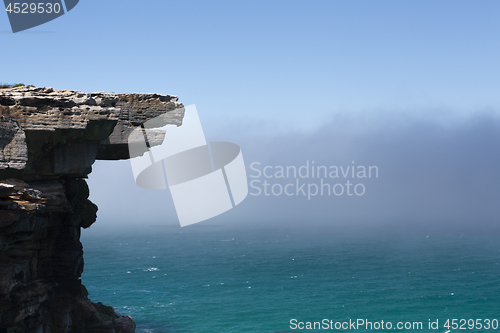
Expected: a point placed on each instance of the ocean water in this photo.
(222, 279)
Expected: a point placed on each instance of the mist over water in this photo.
(421, 244)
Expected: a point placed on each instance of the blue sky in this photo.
(276, 60)
(263, 71)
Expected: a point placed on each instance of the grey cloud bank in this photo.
(429, 173)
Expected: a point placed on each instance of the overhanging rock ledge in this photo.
(49, 140)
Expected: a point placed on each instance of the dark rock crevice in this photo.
(49, 140)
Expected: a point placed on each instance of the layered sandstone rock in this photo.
(48, 141)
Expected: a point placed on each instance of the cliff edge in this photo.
(49, 140)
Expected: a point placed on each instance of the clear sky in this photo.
(353, 74)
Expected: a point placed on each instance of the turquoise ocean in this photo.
(223, 279)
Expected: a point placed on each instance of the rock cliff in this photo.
(49, 140)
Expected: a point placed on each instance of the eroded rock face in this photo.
(13, 148)
(48, 141)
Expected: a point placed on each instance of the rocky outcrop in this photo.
(49, 140)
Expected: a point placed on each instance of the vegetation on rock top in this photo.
(7, 86)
